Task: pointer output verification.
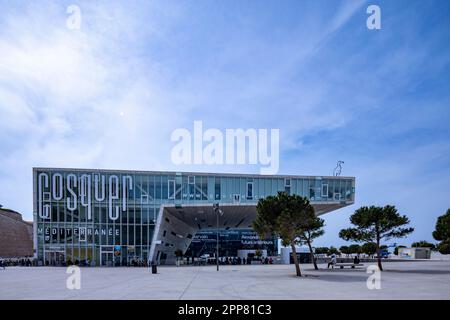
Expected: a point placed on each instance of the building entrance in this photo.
(55, 258)
(106, 256)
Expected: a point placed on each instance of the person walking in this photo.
(332, 261)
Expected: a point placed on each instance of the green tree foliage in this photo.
(423, 244)
(333, 250)
(373, 224)
(312, 230)
(442, 233)
(345, 250)
(322, 250)
(369, 248)
(286, 216)
(444, 247)
(355, 249)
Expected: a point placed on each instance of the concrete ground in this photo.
(400, 280)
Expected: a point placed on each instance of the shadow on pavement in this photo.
(419, 271)
(336, 277)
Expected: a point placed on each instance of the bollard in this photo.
(154, 269)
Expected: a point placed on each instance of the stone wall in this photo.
(16, 235)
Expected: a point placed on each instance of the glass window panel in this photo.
(325, 190)
(217, 190)
(165, 189)
(204, 192)
(131, 235)
(171, 188)
(138, 236)
(287, 189)
(198, 187)
(158, 188)
(249, 190)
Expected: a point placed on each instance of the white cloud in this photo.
(346, 10)
(62, 93)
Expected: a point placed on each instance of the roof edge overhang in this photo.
(226, 174)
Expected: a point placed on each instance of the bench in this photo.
(351, 265)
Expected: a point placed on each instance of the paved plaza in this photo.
(400, 280)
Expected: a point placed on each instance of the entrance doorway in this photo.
(55, 258)
(106, 259)
(106, 256)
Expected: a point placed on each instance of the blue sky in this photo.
(109, 94)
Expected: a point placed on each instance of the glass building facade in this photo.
(106, 217)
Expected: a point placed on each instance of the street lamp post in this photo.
(217, 243)
(218, 211)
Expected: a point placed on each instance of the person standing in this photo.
(332, 261)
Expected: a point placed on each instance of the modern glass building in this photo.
(109, 217)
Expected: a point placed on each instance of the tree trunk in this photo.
(294, 256)
(378, 254)
(312, 255)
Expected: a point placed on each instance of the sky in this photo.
(110, 93)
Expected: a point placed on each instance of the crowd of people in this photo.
(17, 262)
(135, 262)
(237, 260)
